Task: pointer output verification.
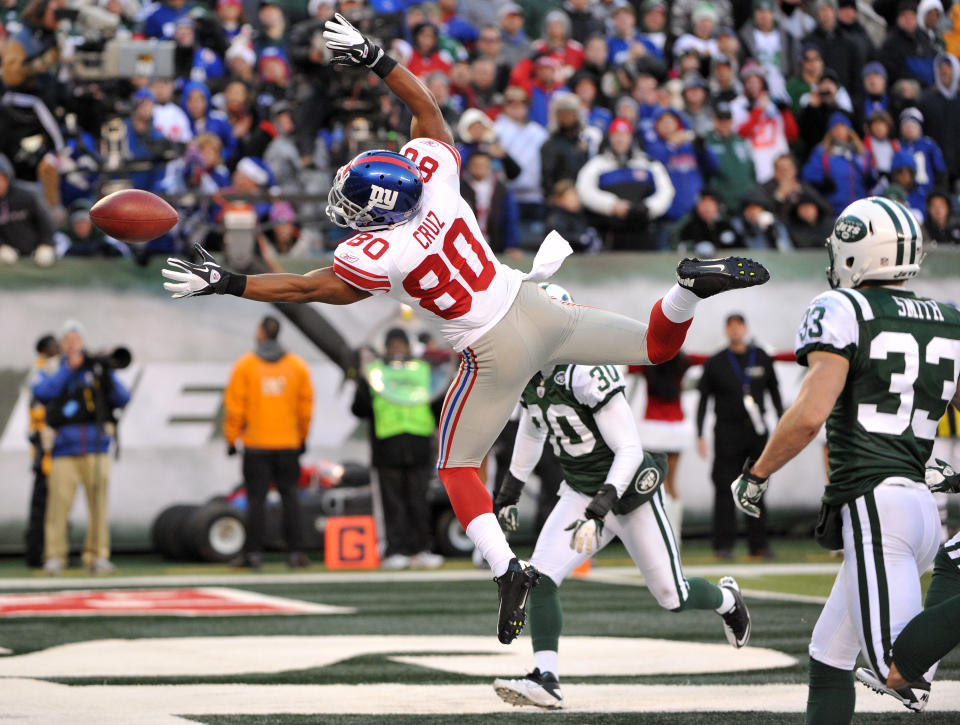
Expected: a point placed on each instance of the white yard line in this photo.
(35, 701)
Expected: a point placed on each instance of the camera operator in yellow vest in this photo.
(394, 393)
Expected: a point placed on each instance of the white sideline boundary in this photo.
(39, 702)
(598, 573)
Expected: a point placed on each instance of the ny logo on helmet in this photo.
(383, 198)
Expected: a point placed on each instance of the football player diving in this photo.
(418, 242)
(612, 488)
(884, 364)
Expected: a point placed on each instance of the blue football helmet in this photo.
(377, 190)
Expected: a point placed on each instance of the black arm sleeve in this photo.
(510, 167)
(362, 402)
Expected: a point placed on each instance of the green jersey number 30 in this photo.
(902, 384)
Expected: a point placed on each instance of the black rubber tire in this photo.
(216, 532)
(167, 533)
(449, 535)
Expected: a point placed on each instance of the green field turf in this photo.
(463, 607)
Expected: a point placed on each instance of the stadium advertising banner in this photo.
(171, 445)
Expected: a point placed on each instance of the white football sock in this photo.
(728, 601)
(547, 661)
(679, 304)
(485, 532)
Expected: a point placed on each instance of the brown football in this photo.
(133, 215)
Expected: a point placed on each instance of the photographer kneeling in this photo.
(80, 398)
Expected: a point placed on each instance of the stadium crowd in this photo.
(645, 125)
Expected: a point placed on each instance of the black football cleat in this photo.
(707, 277)
(513, 589)
(736, 622)
(538, 689)
(913, 697)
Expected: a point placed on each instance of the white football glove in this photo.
(585, 538)
(747, 491)
(190, 280)
(348, 44)
(942, 477)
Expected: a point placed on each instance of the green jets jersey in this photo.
(904, 354)
(564, 404)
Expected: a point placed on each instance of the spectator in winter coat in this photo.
(161, 20)
(674, 149)
(757, 227)
(26, 226)
(193, 61)
(929, 15)
(565, 214)
(853, 31)
(545, 82)
(903, 174)
(794, 18)
(477, 133)
(785, 188)
(522, 139)
(145, 143)
(874, 94)
(626, 43)
(769, 129)
(427, 56)
(492, 203)
(907, 51)
(940, 225)
(734, 173)
(809, 221)
(881, 144)
(702, 39)
(196, 102)
(565, 152)
(169, 118)
(584, 22)
(625, 189)
(695, 105)
(705, 229)
(654, 22)
(930, 167)
(843, 57)
(682, 11)
(811, 69)
(940, 105)
(839, 166)
(822, 102)
(774, 48)
(82, 239)
(490, 48)
(516, 45)
(555, 43)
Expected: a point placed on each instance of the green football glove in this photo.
(748, 490)
(942, 478)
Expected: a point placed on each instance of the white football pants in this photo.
(645, 532)
(890, 537)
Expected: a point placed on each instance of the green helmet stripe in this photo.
(896, 225)
(913, 234)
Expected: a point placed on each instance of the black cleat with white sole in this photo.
(707, 277)
(540, 689)
(913, 697)
(514, 589)
(736, 622)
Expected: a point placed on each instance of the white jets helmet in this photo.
(874, 239)
(556, 292)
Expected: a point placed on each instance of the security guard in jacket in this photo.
(268, 404)
(395, 394)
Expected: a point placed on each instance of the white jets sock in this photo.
(485, 532)
(728, 601)
(547, 661)
(679, 304)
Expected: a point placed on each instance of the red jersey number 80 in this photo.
(431, 279)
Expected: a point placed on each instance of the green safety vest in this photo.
(401, 398)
